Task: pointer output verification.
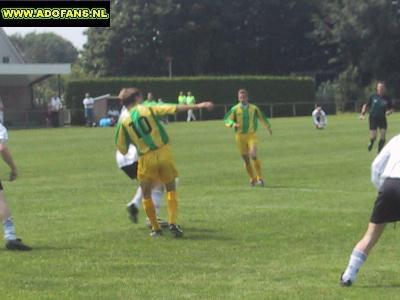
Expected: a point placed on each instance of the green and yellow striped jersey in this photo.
(143, 129)
(247, 116)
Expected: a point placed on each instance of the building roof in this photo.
(16, 72)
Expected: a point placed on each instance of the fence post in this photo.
(225, 110)
(271, 110)
(176, 117)
(294, 109)
(201, 114)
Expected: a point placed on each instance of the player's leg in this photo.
(149, 208)
(249, 169)
(134, 205)
(372, 139)
(172, 205)
(147, 176)
(12, 242)
(256, 162)
(157, 194)
(241, 142)
(373, 126)
(168, 174)
(382, 139)
(361, 251)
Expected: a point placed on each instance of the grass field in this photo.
(289, 240)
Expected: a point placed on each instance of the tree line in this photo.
(354, 42)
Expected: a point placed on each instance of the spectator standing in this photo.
(190, 100)
(55, 106)
(88, 104)
(181, 99)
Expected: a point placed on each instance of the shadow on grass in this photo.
(42, 248)
(196, 234)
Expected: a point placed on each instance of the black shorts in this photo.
(387, 204)
(131, 170)
(375, 123)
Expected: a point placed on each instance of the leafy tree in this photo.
(361, 33)
(45, 48)
(204, 37)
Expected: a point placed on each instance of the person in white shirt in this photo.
(55, 106)
(385, 175)
(12, 242)
(88, 104)
(319, 117)
(129, 164)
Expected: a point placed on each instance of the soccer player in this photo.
(385, 175)
(244, 118)
(144, 130)
(129, 164)
(379, 106)
(319, 117)
(12, 242)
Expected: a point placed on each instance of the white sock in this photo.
(157, 195)
(137, 199)
(9, 230)
(357, 259)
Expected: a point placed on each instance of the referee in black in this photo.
(385, 175)
(379, 106)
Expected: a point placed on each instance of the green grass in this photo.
(289, 240)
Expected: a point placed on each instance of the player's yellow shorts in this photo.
(157, 166)
(245, 141)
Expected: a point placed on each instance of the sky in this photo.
(73, 34)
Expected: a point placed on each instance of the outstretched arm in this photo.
(168, 109)
(205, 105)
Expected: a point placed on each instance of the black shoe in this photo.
(370, 147)
(17, 245)
(176, 230)
(133, 213)
(347, 283)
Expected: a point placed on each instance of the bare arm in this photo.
(363, 111)
(206, 105)
(7, 157)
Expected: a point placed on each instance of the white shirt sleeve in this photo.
(378, 166)
(3, 134)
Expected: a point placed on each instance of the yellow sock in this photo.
(151, 213)
(257, 167)
(250, 171)
(172, 205)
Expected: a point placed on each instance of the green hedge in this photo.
(262, 89)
